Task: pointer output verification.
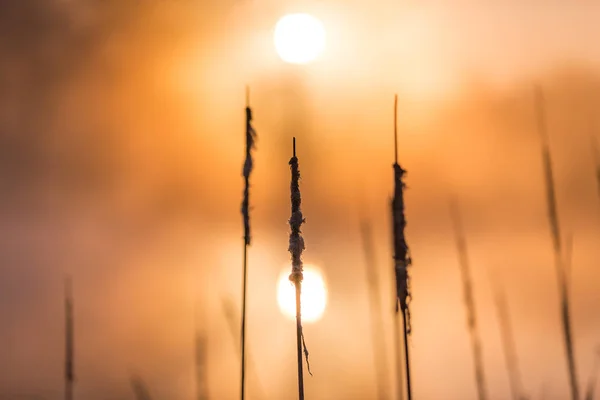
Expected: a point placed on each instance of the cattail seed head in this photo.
(296, 246)
(248, 164)
(401, 253)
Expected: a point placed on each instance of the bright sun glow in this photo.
(299, 38)
(313, 298)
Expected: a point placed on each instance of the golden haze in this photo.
(121, 128)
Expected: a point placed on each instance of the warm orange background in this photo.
(121, 145)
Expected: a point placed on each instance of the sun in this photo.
(313, 298)
(299, 38)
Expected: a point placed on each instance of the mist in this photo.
(121, 151)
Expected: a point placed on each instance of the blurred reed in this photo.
(402, 261)
(377, 331)
(596, 157)
(245, 209)
(465, 269)
(69, 341)
(591, 386)
(561, 268)
(508, 342)
(232, 317)
(296, 247)
(139, 387)
(201, 356)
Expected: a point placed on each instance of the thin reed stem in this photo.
(561, 269)
(243, 327)
(232, 317)
(396, 129)
(398, 344)
(299, 341)
(201, 346)
(596, 157)
(248, 164)
(201, 383)
(406, 355)
(461, 245)
(140, 389)
(68, 390)
(296, 247)
(69, 339)
(591, 386)
(402, 258)
(377, 335)
(508, 343)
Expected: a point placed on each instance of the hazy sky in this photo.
(121, 144)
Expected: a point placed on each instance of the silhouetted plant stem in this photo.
(248, 164)
(69, 341)
(299, 341)
(591, 386)
(296, 247)
(561, 270)
(377, 335)
(596, 155)
(398, 336)
(232, 317)
(139, 387)
(461, 245)
(201, 347)
(508, 343)
(402, 259)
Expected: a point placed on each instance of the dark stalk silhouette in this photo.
(568, 257)
(201, 364)
(591, 386)
(596, 155)
(561, 269)
(399, 333)
(377, 334)
(248, 164)
(69, 341)
(232, 317)
(508, 343)
(465, 269)
(296, 248)
(139, 388)
(544, 391)
(402, 261)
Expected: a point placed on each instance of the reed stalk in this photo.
(201, 347)
(69, 341)
(402, 261)
(296, 247)
(561, 269)
(248, 164)
(596, 156)
(465, 269)
(139, 387)
(232, 316)
(377, 335)
(544, 391)
(399, 335)
(508, 343)
(591, 386)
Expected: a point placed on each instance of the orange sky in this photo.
(121, 129)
